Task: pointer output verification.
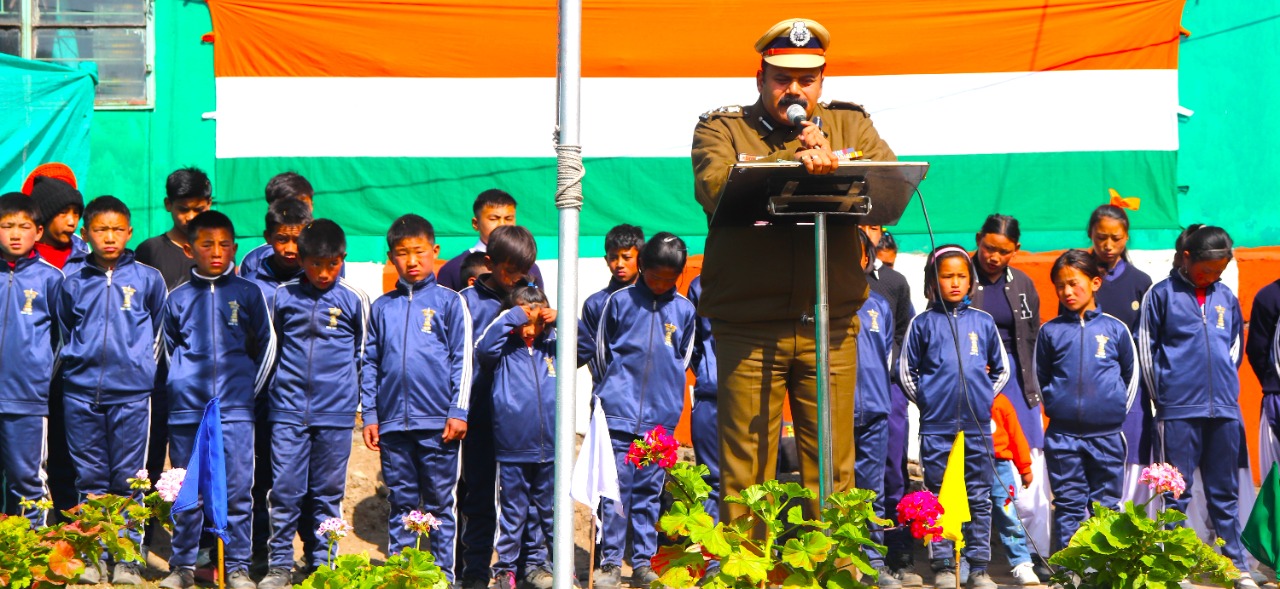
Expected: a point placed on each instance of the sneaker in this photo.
(885, 579)
(93, 574)
(979, 579)
(1041, 568)
(608, 576)
(1245, 582)
(643, 576)
(505, 580)
(538, 578)
(944, 579)
(126, 573)
(277, 578)
(1186, 584)
(908, 577)
(179, 578)
(240, 580)
(1025, 575)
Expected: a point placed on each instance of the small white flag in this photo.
(595, 474)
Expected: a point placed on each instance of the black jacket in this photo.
(1025, 302)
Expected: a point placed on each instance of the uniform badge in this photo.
(31, 295)
(334, 313)
(1221, 310)
(235, 313)
(551, 367)
(670, 330)
(1102, 346)
(128, 297)
(973, 344)
(427, 315)
(1136, 305)
(800, 34)
(875, 320)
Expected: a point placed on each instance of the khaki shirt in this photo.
(767, 273)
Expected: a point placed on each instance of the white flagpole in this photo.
(569, 173)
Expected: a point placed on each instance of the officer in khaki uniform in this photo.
(759, 281)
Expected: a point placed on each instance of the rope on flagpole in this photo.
(569, 174)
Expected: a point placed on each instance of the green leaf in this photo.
(800, 580)
(740, 564)
(843, 579)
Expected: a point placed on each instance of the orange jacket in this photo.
(1007, 439)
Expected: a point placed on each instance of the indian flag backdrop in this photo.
(1026, 107)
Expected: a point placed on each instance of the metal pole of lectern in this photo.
(822, 332)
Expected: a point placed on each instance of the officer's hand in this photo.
(818, 161)
(812, 137)
(454, 429)
(371, 437)
(1026, 480)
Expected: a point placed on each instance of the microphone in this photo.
(796, 114)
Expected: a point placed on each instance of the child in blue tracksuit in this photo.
(930, 373)
(643, 346)
(622, 245)
(871, 406)
(519, 349)
(281, 187)
(702, 417)
(219, 341)
(109, 312)
(1189, 341)
(511, 251)
(28, 345)
(415, 388)
(1087, 367)
(320, 322)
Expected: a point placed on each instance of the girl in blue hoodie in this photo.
(1086, 364)
(954, 384)
(1190, 340)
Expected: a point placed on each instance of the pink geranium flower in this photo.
(921, 510)
(1163, 477)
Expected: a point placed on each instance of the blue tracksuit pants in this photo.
(1209, 445)
(898, 540)
(478, 491)
(421, 471)
(525, 501)
(237, 440)
(870, 443)
(309, 469)
(934, 450)
(1004, 511)
(108, 443)
(1082, 470)
(641, 490)
(22, 455)
(706, 448)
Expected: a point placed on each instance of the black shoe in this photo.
(180, 578)
(643, 577)
(1041, 569)
(539, 578)
(608, 576)
(476, 583)
(277, 578)
(240, 580)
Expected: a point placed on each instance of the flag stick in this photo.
(591, 556)
(222, 565)
(957, 545)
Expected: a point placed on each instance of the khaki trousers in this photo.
(759, 364)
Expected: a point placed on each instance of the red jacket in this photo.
(1008, 440)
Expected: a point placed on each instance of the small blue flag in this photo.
(207, 473)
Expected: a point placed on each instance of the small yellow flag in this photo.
(953, 496)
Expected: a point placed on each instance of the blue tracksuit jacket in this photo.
(524, 388)
(267, 279)
(875, 358)
(28, 334)
(928, 369)
(322, 343)
(643, 346)
(417, 362)
(1189, 356)
(589, 322)
(219, 340)
(111, 325)
(703, 360)
(1088, 373)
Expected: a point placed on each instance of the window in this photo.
(112, 37)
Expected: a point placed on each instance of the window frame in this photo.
(27, 48)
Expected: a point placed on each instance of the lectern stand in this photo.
(784, 193)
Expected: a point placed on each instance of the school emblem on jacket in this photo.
(31, 295)
(427, 316)
(334, 313)
(1221, 310)
(235, 313)
(875, 320)
(670, 330)
(1136, 305)
(1102, 346)
(551, 367)
(128, 297)
(973, 343)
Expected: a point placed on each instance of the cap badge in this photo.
(800, 34)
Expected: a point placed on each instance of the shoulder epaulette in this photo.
(724, 111)
(838, 105)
